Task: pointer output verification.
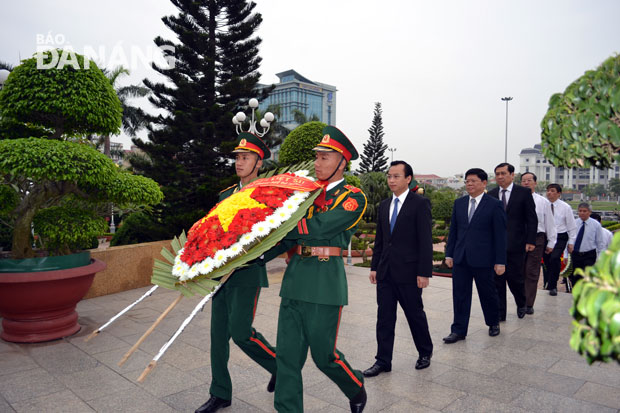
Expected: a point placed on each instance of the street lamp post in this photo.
(392, 150)
(506, 99)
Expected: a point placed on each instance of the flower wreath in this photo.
(241, 222)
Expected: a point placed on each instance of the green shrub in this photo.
(138, 227)
(65, 229)
(596, 308)
(297, 147)
(438, 256)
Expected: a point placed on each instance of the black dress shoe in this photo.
(529, 310)
(358, 403)
(553, 292)
(423, 362)
(271, 386)
(375, 370)
(521, 312)
(212, 405)
(453, 338)
(494, 331)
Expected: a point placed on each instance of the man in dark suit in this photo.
(402, 263)
(476, 250)
(522, 226)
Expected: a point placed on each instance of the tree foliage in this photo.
(596, 308)
(614, 186)
(215, 70)
(582, 125)
(46, 173)
(373, 158)
(297, 147)
(442, 202)
(65, 102)
(374, 185)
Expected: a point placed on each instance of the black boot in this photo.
(358, 402)
(213, 405)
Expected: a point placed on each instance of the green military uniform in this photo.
(314, 289)
(232, 314)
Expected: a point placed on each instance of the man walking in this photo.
(521, 223)
(233, 307)
(545, 241)
(314, 288)
(567, 232)
(476, 251)
(401, 266)
(589, 242)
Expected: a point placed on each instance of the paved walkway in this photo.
(529, 367)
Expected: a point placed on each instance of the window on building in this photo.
(527, 160)
(537, 160)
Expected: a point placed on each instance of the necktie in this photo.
(504, 198)
(552, 210)
(579, 237)
(394, 215)
(472, 209)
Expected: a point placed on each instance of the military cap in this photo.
(335, 140)
(249, 142)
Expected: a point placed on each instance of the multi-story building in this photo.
(532, 160)
(295, 91)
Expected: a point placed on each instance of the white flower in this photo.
(298, 197)
(282, 213)
(235, 249)
(180, 270)
(290, 205)
(219, 259)
(302, 173)
(273, 221)
(193, 271)
(206, 266)
(260, 229)
(246, 239)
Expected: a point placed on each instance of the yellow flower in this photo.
(227, 209)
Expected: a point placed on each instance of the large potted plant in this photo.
(51, 185)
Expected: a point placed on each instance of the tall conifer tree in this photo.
(215, 71)
(373, 158)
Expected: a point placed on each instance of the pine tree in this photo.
(373, 159)
(214, 74)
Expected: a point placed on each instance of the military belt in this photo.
(322, 252)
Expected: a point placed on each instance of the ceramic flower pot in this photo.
(39, 306)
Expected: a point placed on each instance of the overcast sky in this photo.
(439, 68)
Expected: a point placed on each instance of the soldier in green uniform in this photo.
(314, 288)
(233, 307)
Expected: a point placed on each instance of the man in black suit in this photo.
(522, 226)
(402, 263)
(476, 250)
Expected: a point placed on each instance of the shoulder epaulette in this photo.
(353, 189)
(230, 187)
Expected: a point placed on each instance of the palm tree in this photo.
(134, 118)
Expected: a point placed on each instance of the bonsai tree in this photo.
(56, 182)
(582, 129)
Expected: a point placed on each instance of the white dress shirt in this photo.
(401, 200)
(564, 220)
(592, 236)
(546, 222)
(608, 236)
(478, 199)
(508, 192)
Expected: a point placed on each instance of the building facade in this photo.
(295, 91)
(532, 160)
